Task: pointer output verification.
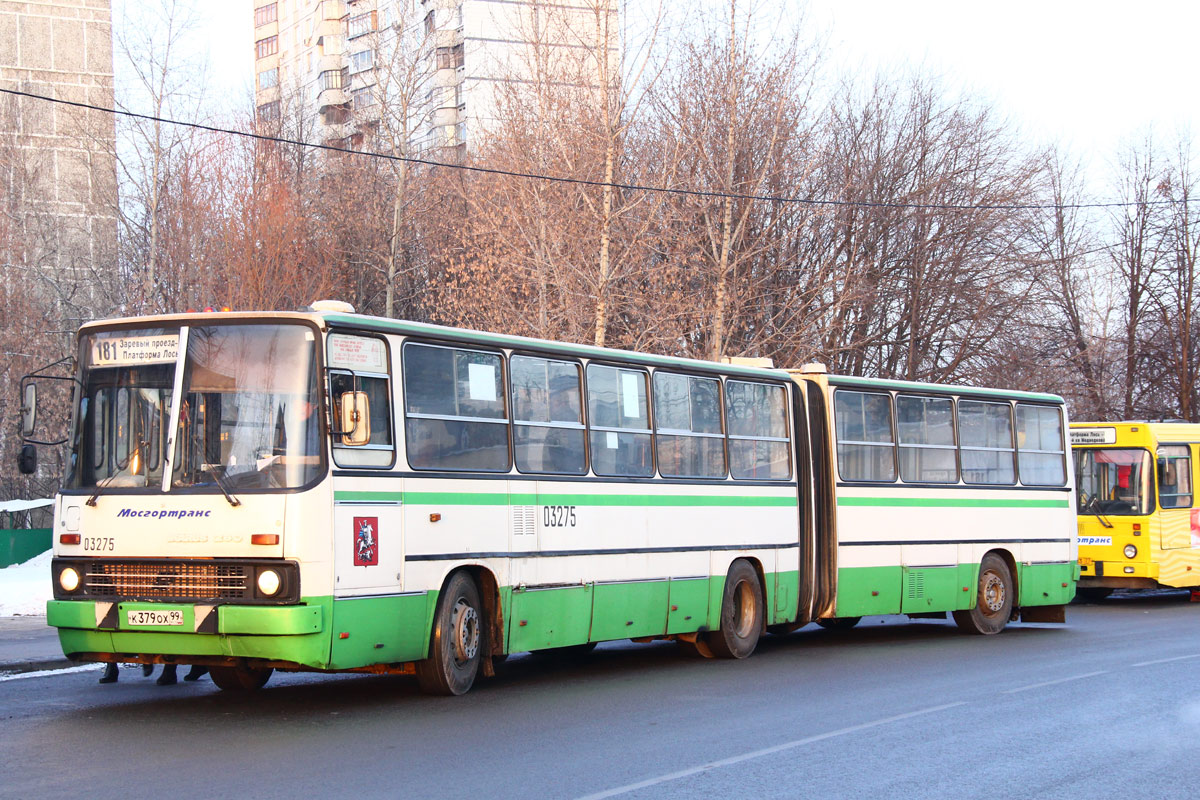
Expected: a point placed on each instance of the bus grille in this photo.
(168, 580)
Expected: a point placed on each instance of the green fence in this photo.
(18, 545)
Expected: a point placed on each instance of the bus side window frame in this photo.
(690, 434)
(1012, 440)
(891, 445)
(788, 438)
(502, 396)
(924, 443)
(514, 423)
(1187, 458)
(592, 428)
(1062, 438)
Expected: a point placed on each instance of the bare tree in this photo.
(1136, 257)
(158, 78)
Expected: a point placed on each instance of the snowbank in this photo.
(25, 588)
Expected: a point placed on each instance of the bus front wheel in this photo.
(741, 614)
(240, 678)
(457, 642)
(993, 601)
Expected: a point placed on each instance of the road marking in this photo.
(1054, 683)
(41, 673)
(1167, 660)
(725, 762)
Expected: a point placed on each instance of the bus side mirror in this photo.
(355, 418)
(27, 460)
(28, 409)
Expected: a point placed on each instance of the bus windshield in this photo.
(1113, 481)
(248, 414)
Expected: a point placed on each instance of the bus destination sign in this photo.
(1093, 436)
(120, 351)
(357, 353)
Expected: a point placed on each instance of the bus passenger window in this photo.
(985, 439)
(1041, 455)
(1174, 476)
(756, 417)
(619, 422)
(865, 450)
(548, 433)
(687, 419)
(925, 429)
(454, 407)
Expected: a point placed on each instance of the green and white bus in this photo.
(328, 491)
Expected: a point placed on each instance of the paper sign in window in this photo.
(629, 395)
(610, 440)
(482, 382)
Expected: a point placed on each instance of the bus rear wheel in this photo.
(457, 641)
(240, 678)
(993, 601)
(741, 614)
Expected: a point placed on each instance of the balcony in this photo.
(331, 97)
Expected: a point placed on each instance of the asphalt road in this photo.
(1106, 706)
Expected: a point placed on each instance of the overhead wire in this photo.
(633, 187)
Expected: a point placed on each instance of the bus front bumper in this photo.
(1117, 574)
(293, 633)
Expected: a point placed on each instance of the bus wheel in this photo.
(456, 644)
(994, 601)
(240, 678)
(741, 614)
(838, 623)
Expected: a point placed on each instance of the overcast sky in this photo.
(1085, 74)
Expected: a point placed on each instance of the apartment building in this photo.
(57, 167)
(420, 75)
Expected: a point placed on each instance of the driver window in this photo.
(361, 364)
(1174, 476)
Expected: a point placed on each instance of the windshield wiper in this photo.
(211, 469)
(1092, 506)
(102, 485)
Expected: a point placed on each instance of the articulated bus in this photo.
(328, 491)
(1139, 525)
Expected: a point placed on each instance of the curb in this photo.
(36, 665)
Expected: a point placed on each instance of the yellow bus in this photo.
(1139, 525)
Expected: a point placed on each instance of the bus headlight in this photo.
(68, 579)
(1130, 551)
(269, 582)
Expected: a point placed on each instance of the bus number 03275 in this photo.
(558, 516)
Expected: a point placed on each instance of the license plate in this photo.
(135, 618)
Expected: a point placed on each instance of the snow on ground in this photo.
(25, 588)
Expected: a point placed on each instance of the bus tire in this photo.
(240, 678)
(741, 613)
(838, 623)
(456, 643)
(993, 599)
